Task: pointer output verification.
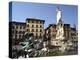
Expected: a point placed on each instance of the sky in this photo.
(43, 11)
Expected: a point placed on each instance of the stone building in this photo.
(74, 38)
(35, 26)
(17, 31)
(51, 30)
(67, 31)
(50, 33)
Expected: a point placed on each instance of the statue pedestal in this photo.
(62, 44)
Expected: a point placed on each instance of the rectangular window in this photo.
(40, 35)
(24, 27)
(23, 32)
(20, 32)
(32, 21)
(32, 30)
(32, 26)
(19, 36)
(16, 27)
(36, 30)
(37, 21)
(27, 25)
(36, 25)
(16, 32)
(28, 30)
(40, 30)
(40, 26)
(20, 27)
(16, 36)
(40, 21)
